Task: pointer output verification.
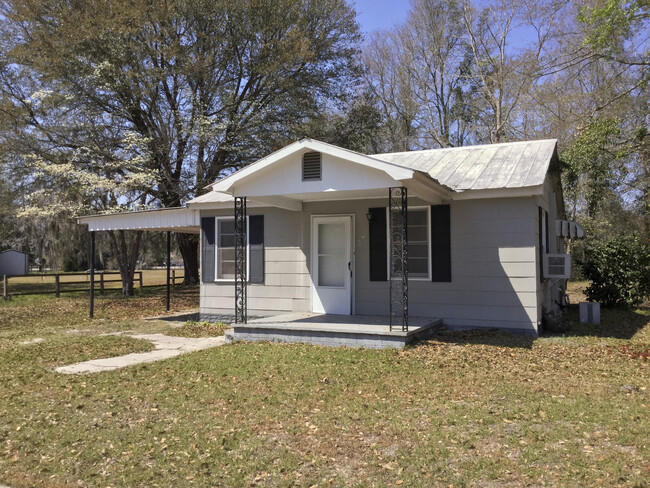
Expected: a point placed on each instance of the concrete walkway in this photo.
(166, 347)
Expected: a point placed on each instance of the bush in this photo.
(619, 271)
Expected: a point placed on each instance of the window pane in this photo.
(227, 270)
(225, 263)
(227, 227)
(418, 234)
(418, 251)
(418, 267)
(331, 271)
(226, 240)
(331, 238)
(417, 217)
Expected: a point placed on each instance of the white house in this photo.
(461, 235)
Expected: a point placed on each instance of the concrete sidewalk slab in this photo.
(166, 347)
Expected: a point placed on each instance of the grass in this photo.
(199, 329)
(470, 409)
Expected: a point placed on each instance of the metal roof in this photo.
(175, 219)
(492, 166)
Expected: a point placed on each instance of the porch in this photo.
(372, 331)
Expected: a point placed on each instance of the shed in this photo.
(13, 263)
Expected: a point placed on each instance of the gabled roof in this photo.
(487, 167)
(518, 168)
(395, 171)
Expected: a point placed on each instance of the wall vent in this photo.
(311, 166)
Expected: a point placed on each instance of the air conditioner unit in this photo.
(557, 266)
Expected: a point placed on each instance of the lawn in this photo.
(468, 409)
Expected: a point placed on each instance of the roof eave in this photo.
(524, 191)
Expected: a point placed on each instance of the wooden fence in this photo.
(67, 282)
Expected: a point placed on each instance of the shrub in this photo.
(619, 271)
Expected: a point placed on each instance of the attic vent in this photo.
(311, 166)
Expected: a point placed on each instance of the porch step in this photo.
(329, 330)
(229, 336)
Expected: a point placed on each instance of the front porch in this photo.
(372, 331)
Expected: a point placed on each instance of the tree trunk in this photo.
(126, 253)
(188, 244)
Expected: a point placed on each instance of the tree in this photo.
(204, 86)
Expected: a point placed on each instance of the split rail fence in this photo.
(42, 284)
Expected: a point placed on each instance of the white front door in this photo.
(331, 265)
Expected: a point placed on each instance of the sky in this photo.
(375, 15)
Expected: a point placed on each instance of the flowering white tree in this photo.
(206, 86)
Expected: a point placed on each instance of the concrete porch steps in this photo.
(371, 331)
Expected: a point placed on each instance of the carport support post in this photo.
(169, 252)
(92, 274)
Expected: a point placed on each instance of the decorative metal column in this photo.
(398, 272)
(240, 260)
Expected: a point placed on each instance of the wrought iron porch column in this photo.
(398, 272)
(240, 260)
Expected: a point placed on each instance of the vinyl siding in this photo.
(548, 291)
(286, 285)
(494, 266)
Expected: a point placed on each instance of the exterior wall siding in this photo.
(494, 282)
(549, 291)
(286, 282)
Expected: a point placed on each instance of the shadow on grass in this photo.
(486, 337)
(616, 323)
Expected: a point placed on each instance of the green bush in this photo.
(619, 271)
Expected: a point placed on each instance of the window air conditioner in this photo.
(557, 266)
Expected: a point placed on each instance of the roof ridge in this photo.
(458, 148)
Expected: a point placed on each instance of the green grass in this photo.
(469, 409)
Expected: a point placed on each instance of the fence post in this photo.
(101, 282)
(5, 291)
(140, 278)
(57, 286)
(174, 277)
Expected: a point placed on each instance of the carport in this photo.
(178, 219)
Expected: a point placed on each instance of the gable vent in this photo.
(311, 166)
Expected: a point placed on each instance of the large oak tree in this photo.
(204, 86)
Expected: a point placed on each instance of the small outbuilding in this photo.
(13, 263)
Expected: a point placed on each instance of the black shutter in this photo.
(256, 247)
(207, 249)
(378, 245)
(440, 243)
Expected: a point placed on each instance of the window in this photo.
(226, 249)
(418, 247)
(418, 242)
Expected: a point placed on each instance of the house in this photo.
(466, 237)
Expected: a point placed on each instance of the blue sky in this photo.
(375, 15)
